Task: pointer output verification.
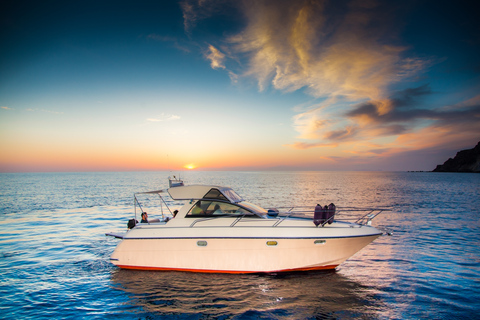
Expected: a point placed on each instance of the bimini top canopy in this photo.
(198, 192)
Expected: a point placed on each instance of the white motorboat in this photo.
(217, 231)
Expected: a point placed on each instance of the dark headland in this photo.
(465, 161)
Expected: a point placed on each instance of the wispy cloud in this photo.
(305, 145)
(197, 10)
(338, 51)
(406, 111)
(189, 15)
(164, 117)
(217, 58)
(6, 108)
(340, 55)
(346, 54)
(44, 110)
(328, 51)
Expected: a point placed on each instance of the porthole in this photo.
(202, 243)
(272, 243)
(319, 241)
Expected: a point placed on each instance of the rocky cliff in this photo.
(464, 161)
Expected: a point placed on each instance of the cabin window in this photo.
(232, 195)
(215, 194)
(205, 208)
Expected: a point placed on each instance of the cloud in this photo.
(453, 127)
(217, 58)
(343, 52)
(331, 49)
(403, 106)
(408, 125)
(328, 49)
(396, 114)
(43, 110)
(471, 102)
(189, 15)
(342, 134)
(348, 56)
(164, 117)
(374, 151)
(197, 10)
(406, 108)
(6, 108)
(305, 145)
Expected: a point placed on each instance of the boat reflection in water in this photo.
(313, 294)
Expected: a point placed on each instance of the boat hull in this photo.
(237, 255)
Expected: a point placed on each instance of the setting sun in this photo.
(189, 166)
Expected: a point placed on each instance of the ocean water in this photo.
(54, 255)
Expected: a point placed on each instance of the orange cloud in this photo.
(305, 145)
(217, 58)
(336, 55)
(348, 57)
(295, 45)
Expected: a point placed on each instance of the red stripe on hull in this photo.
(225, 271)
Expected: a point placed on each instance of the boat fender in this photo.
(318, 215)
(131, 223)
(272, 213)
(330, 213)
(325, 215)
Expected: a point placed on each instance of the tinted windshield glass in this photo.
(215, 208)
(215, 194)
(254, 208)
(232, 195)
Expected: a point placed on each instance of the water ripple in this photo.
(54, 257)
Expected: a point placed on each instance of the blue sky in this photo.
(237, 85)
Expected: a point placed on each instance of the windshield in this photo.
(254, 208)
(216, 208)
(232, 195)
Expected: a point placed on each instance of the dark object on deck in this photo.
(272, 212)
(318, 215)
(131, 223)
(330, 213)
(323, 215)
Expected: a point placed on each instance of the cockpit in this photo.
(224, 202)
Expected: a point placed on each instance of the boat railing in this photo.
(358, 215)
(362, 216)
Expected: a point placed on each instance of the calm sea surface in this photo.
(54, 255)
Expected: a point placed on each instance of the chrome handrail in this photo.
(341, 214)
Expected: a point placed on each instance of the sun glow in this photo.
(189, 166)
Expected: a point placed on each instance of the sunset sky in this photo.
(237, 85)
